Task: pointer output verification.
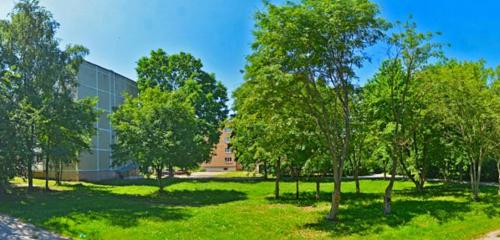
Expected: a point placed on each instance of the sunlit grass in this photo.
(239, 174)
(226, 209)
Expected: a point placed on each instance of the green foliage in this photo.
(465, 102)
(40, 79)
(67, 130)
(183, 72)
(398, 101)
(306, 54)
(156, 129)
(7, 136)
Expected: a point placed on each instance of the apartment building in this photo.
(223, 158)
(109, 87)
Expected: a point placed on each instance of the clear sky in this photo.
(118, 32)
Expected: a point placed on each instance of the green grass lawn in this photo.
(239, 174)
(230, 209)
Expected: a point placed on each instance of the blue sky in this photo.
(118, 32)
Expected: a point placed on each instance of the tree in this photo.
(66, 125)
(247, 143)
(254, 135)
(184, 72)
(67, 131)
(39, 71)
(268, 129)
(319, 44)
(155, 130)
(360, 133)
(465, 101)
(7, 136)
(496, 111)
(318, 165)
(394, 97)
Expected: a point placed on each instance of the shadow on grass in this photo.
(429, 191)
(63, 211)
(309, 198)
(168, 182)
(362, 213)
(366, 218)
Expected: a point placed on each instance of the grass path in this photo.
(226, 209)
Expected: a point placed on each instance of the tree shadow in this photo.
(63, 211)
(451, 190)
(179, 198)
(457, 190)
(363, 212)
(309, 198)
(363, 218)
(172, 181)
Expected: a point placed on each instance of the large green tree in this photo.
(269, 130)
(8, 138)
(67, 130)
(466, 103)
(39, 71)
(496, 110)
(207, 95)
(319, 44)
(155, 130)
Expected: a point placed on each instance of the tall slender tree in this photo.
(393, 93)
(8, 140)
(40, 72)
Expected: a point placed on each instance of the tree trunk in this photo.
(318, 187)
(265, 170)
(338, 166)
(332, 216)
(356, 179)
(30, 159)
(409, 174)
(419, 186)
(47, 159)
(158, 177)
(59, 173)
(385, 170)
(475, 173)
(388, 190)
(277, 185)
(170, 171)
(30, 175)
(478, 180)
(498, 170)
(355, 169)
(297, 179)
(471, 173)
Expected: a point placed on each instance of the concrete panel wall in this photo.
(109, 87)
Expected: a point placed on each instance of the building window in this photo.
(226, 139)
(227, 150)
(228, 130)
(228, 159)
